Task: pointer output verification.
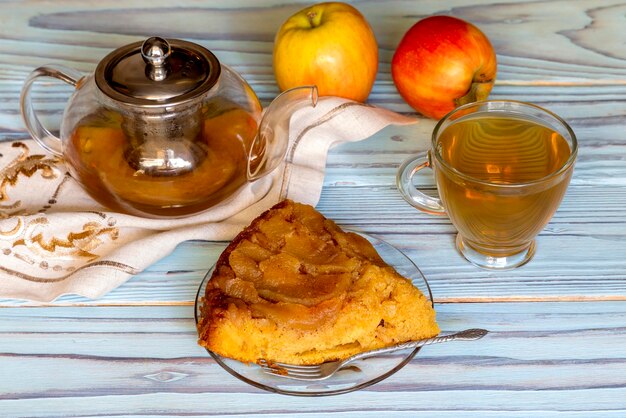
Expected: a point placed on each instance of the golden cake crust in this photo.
(293, 287)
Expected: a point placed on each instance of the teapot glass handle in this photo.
(269, 147)
(39, 132)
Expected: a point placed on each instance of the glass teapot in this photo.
(162, 129)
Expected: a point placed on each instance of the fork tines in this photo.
(290, 370)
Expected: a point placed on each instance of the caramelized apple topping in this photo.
(297, 316)
(292, 260)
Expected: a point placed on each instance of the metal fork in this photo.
(326, 370)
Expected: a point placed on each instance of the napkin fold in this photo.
(56, 240)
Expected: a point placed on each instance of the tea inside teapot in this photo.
(122, 170)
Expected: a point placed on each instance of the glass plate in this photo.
(357, 375)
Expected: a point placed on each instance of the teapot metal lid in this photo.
(157, 72)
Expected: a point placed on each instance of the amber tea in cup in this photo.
(501, 169)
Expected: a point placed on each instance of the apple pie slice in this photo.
(293, 287)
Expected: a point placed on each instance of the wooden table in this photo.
(558, 325)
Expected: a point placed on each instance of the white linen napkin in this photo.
(56, 240)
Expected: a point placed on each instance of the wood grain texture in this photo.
(548, 357)
(133, 352)
(580, 44)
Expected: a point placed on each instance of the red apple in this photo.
(443, 62)
(330, 45)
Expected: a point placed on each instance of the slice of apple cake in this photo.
(293, 287)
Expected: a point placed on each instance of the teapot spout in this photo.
(272, 140)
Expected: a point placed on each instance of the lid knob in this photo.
(155, 51)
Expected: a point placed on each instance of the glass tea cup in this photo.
(501, 169)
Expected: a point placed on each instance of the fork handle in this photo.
(466, 335)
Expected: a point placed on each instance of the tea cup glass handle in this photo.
(39, 132)
(404, 181)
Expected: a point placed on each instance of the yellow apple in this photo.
(330, 45)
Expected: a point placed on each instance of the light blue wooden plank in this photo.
(513, 316)
(547, 331)
(479, 403)
(251, 54)
(540, 358)
(571, 50)
(589, 218)
(598, 275)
